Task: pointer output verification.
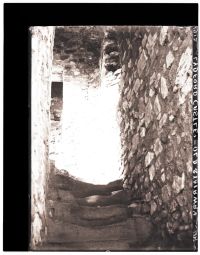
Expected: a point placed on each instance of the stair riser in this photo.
(82, 189)
(122, 198)
(134, 230)
(101, 213)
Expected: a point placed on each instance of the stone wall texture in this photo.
(155, 121)
(42, 39)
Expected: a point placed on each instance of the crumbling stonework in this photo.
(155, 121)
(41, 69)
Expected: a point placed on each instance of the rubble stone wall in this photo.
(156, 123)
(42, 39)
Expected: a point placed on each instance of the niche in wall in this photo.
(56, 100)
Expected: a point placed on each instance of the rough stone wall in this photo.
(155, 121)
(41, 68)
(78, 50)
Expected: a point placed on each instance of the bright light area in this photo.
(90, 140)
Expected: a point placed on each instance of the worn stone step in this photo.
(137, 229)
(87, 216)
(107, 245)
(83, 189)
(121, 197)
(61, 195)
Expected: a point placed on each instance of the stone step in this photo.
(87, 216)
(83, 189)
(137, 229)
(107, 245)
(122, 197)
(101, 213)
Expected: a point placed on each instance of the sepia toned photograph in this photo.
(112, 138)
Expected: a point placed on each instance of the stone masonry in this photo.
(155, 121)
(41, 69)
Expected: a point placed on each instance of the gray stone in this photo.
(136, 86)
(172, 227)
(142, 131)
(141, 105)
(126, 90)
(171, 117)
(184, 227)
(153, 207)
(184, 75)
(151, 43)
(164, 137)
(158, 147)
(142, 62)
(175, 89)
(178, 183)
(157, 80)
(126, 127)
(144, 40)
(173, 206)
(183, 69)
(125, 105)
(118, 71)
(164, 68)
(130, 64)
(149, 157)
(189, 166)
(164, 214)
(163, 120)
(148, 114)
(176, 215)
(169, 59)
(135, 142)
(152, 78)
(148, 196)
(185, 217)
(151, 92)
(157, 107)
(159, 116)
(163, 177)
(136, 186)
(181, 199)
(163, 88)
(158, 163)
(146, 182)
(130, 155)
(151, 172)
(130, 104)
(163, 34)
(166, 193)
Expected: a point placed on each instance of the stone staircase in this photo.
(84, 216)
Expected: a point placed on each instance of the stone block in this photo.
(153, 207)
(142, 63)
(178, 183)
(151, 172)
(157, 106)
(163, 88)
(169, 59)
(149, 157)
(163, 35)
(158, 147)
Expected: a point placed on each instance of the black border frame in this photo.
(18, 18)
